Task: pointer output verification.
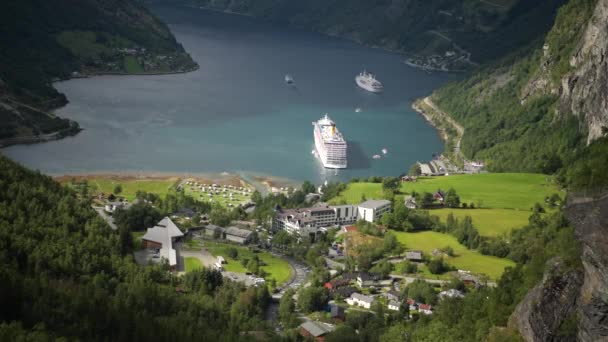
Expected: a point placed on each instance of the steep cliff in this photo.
(584, 91)
(590, 217)
(572, 304)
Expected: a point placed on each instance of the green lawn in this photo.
(132, 66)
(192, 264)
(276, 268)
(130, 187)
(465, 259)
(489, 222)
(490, 190)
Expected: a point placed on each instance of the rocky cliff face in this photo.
(572, 305)
(548, 309)
(590, 217)
(585, 91)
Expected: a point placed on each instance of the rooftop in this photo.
(317, 329)
(242, 233)
(374, 204)
(163, 233)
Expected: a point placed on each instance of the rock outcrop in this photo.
(546, 311)
(590, 217)
(572, 305)
(584, 92)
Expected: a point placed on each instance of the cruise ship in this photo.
(330, 144)
(368, 82)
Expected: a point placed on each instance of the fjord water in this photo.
(236, 113)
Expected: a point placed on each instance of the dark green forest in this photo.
(35, 50)
(487, 31)
(62, 274)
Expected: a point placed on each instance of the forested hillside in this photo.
(43, 41)
(537, 111)
(486, 29)
(62, 274)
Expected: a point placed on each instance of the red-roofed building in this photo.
(426, 309)
(350, 229)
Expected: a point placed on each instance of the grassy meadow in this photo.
(464, 258)
(276, 268)
(489, 222)
(192, 264)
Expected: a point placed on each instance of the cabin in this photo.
(315, 330)
(415, 256)
(238, 235)
(214, 231)
(394, 305)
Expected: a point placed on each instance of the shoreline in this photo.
(70, 132)
(262, 183)
(439, 120)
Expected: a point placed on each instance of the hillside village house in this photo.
(415, 256)
(162, 236)
(309, 221)
(316, 330)
(360, 300)
(393, 305)
(214, 231)
(241, 236)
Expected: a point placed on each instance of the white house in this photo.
(451, 293)
(360, 300)
(162, 236)
(373, 210)
(393, 305)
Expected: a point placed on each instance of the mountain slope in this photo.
(539, 109)
(485, 29)
(44, 41)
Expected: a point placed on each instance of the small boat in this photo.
(376, 156)
(384, 151)
(289, 79)
(357, 110)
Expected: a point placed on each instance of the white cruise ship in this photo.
(368, 82)
(330, 144)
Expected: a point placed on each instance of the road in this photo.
(447, 118)
(109, 219)
(300, 271)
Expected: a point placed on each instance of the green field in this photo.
(489, 190)
(132, 66)
(276, 268)
(489, 222)
(130, 187)
(192, 264)
(465, 259)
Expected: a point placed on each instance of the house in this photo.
(439, 196)
(238, 235)
(426, 309)
(367, 279)
(214, 231)
(451, 293)
(393, 305)
(392, 295)
(316, 330)
(373, 210)
(162, 236)
(337, 312)
(343, 292)
(412, 305)
(410, 202)
(360, 300)
(407, 178)
(467, 278)
(415, 256)
(425, 170)
(335, 283)
(113, 206)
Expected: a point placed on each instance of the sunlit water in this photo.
(236, 113)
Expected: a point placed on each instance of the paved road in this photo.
(297, 279)
(109, 219)
(459, 129)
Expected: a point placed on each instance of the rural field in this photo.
(464, 258)
(276, 268)
(490, 190)
(489, 222)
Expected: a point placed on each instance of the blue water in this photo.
(236, 114)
